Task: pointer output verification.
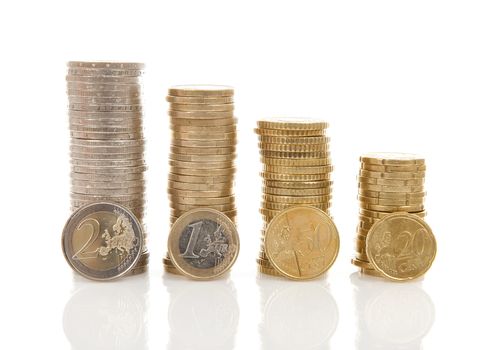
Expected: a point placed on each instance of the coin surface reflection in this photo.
(391, 315)
(296, 315)
(202, 315)
(107, 315)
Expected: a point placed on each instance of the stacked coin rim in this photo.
(387, 183)
(107, 142)
(203, 152)
(296, 170)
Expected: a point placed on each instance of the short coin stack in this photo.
(387, 183)
(203, 150)
(105, 118)
(296, 170)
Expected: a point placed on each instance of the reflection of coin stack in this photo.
(387, 183)
(107, 144)
(214, 306)
(202, 151)
(296, 170)
(312, 314)
(391, 316)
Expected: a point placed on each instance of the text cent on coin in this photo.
(401, 246)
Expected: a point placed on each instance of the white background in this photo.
(419, 76)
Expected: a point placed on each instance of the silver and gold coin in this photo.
(203, 152)
(107, 144)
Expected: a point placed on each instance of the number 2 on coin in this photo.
(82, 253)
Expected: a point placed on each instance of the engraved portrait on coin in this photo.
(203, 243)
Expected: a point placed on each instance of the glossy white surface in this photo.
(402, 76)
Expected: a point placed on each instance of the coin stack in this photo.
(296, 170)
(105, 118)
(203, 150)
(387, 183)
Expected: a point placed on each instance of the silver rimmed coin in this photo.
(102, 241)
(203, 244)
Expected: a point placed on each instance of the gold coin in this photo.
(200, 99)
(388, 158)
(315, 140)
(391, 182)
(361, 256)
(200, 122)
(294, 148)
(203, 150)
(195, 107)
(203, 244)
(200, 165)
(370, 272)
(323, 169)
(294, 155)
(268, 271)
(297, 184)
(172, 270)
(297, 200)
(392, 195)
(361, 263)
(200, 187)
(302, 242)
(297, 192)
(203, 143)
(390, 202)
(201, 90)
(203, 158)
(281, 206)
(264, 262)
(366, 225)
(393, 168)
(199, 194)
(178, 213)
(88, 245)
(203, 172)
(229, 200)
(295, 162)
(292, 124)
(187, 207)
(204, 130)
(401, 246)
(289, 133)
(207, 137)
(393, 208)
(200, 115)
(391, 189)
(396, 176)
(380, 215)
(295, 177)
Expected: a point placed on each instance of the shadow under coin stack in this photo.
(296, 171)
(107, 145)
(387, 183)
(203, 150)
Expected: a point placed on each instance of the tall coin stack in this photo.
(296, 170)
(387, 183)
(107, 145)
(203, 150)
